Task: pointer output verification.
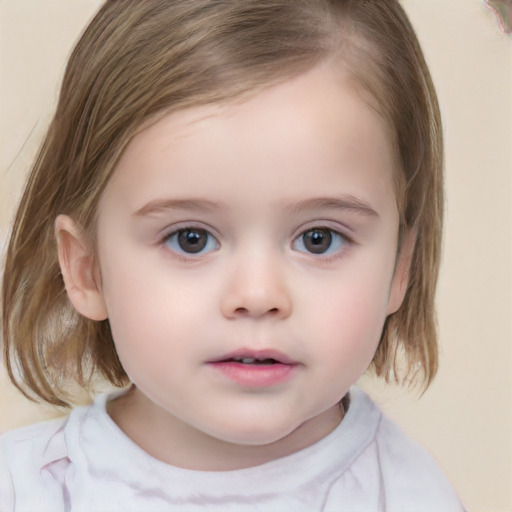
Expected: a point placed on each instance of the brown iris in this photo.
(318, 240)
(192, 240)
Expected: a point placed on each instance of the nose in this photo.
(256, 289)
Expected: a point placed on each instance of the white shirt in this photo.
(85, 463)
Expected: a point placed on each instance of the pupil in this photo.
(317, 241)
(192, 241)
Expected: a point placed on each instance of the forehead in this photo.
(301, 128)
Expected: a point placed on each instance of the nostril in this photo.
(242, 311)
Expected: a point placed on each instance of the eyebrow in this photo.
(347, 203)
(163, 205)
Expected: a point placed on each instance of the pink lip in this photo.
(256, 354)
(255, 375)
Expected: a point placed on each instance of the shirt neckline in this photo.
(96, 443)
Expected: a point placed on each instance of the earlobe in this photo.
(76, 260)
(400, 281)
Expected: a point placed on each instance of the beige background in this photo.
(465, 418)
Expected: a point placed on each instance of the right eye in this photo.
(320, 241)
(191, 241)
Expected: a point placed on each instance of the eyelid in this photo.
(192, 224)
(345, 231)
(326, 257)
(174, 229)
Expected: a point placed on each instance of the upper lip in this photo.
(244, 353)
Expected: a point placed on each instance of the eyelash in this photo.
(334, 237)
(179, 252)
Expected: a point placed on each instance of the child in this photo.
(236, 210)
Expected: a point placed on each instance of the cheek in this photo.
(152, 315)
(345, 343)
(354, 323)
(348, 317)
(150, 339)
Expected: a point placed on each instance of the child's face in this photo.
(265, 229)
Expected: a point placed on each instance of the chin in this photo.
(254, 435)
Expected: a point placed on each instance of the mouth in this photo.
(255, 369)
(257, 358)
(252, 360)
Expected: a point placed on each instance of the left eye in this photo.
(319, 241)
(192, 241)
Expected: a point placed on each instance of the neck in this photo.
(174, 442)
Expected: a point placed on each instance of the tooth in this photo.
(248, 360)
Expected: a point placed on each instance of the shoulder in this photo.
(31, 433)
(30, 440)
(26, 454)
(39, 463)
(410, 477)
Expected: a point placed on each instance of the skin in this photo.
(250, 174)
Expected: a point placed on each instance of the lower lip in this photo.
(253, 375)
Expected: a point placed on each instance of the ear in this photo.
(76, 260)
(400, 280)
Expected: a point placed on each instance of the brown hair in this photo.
(139, 60)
